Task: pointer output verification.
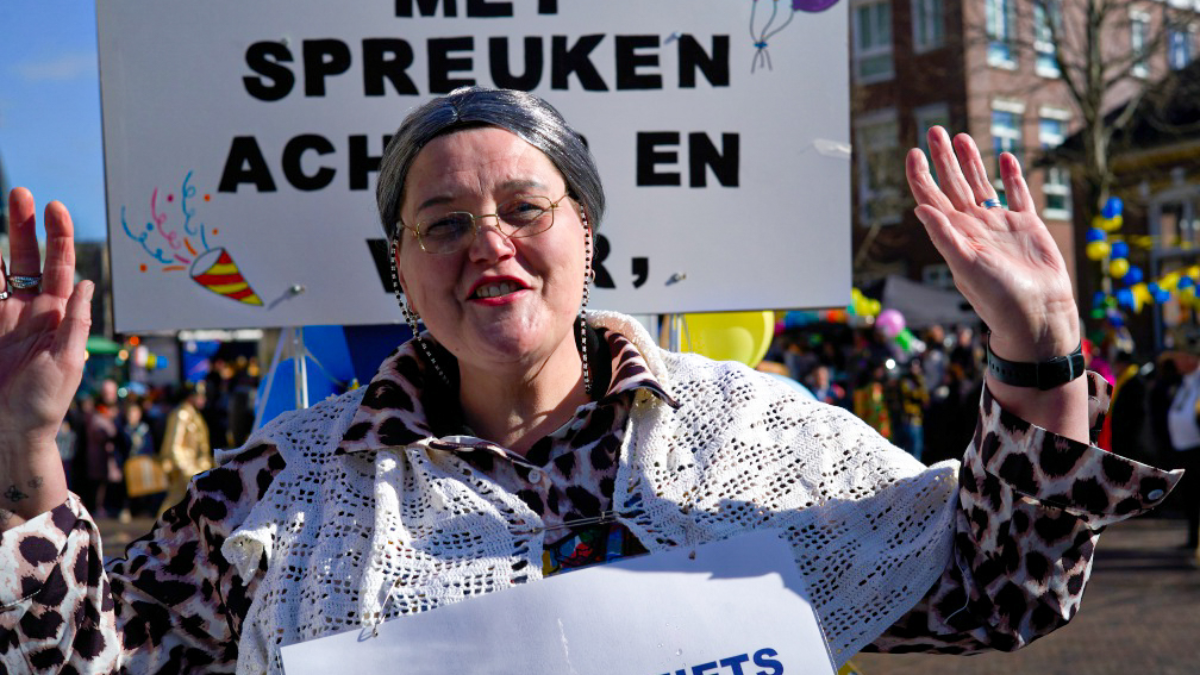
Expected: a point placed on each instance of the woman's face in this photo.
(539, 279)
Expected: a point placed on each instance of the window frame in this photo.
(1140, 67)
(1017, 109)
(928, 25)
(864, 53)
(1056, 180)
(1000, 21)
(868, 193)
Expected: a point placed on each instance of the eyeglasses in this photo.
(452, 232)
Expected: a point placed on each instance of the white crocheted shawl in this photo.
(354, 539)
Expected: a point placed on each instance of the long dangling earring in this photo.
(410, 315)
(588, 274)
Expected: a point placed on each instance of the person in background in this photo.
(825, 389)
(870, 404)
(138, 440)
(103, 466)
(1127, 414)
(912, 399)
(934, 360)
(1184, 428)
(186, 449)
(1166, 380)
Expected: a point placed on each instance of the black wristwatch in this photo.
(1043, 375)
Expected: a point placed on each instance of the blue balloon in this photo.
(1119, 249)
(1095, 234)
(1162, 296)
(1185, 282)
(1113, 207)
(1098, 299)
(1133, 276)
(1125, 298)
(1115, 319)
(1154, 288)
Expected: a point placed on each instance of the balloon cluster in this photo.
(890, 323)
(861, 305)
(1137, 293)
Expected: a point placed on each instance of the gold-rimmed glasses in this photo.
(523, 216)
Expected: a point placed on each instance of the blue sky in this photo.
(50, 138)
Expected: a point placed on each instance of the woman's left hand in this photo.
(1004, 260)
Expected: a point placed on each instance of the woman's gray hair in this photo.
(533, 120)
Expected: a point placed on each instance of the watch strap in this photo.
(1042, 375)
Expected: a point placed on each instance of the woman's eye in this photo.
(522, 212)
(447, 227)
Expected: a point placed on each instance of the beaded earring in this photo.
(410, 314)
(588, 275)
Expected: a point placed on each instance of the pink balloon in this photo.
(889, 322)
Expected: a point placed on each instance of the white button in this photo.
(1155, 495)
(535, 476)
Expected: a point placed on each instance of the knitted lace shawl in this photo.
(342, 542)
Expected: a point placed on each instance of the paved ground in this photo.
(1140, 615)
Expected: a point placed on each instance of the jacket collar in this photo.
(406, 402)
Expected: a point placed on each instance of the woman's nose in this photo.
(490, 242)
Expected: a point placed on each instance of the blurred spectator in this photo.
(1162, 392)
(934, 360)
(138, 440)
(1184, 429)
(870, 403)
(186, 450)
(1126, 422)
(824, 388)
(102, 460)
(911, 400)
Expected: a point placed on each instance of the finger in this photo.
(58, 278)
(1019, 198)
(948, 241)
(973, 168)
(70, 341)
(925, 190)
(23, 235)
(954, 184)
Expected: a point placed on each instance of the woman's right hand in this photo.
(43, 338)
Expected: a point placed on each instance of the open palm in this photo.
(1004, 261)
(43, 335)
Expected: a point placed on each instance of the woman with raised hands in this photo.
(522, 434)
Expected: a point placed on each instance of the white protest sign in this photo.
(738, 608)
(242, 141)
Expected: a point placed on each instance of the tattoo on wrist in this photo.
(14, 495)
(36, 482)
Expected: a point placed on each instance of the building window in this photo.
(1002, 33)
(880, 163)
(1006, 137)
(928, 21)
(1047, 23)
(873, 42)
(1056, 187)
(1139, 30)
(926, 118)
(937, 275)
(1179, 48)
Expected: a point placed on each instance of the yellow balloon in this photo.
(1118, 268)
(1098, 250)
(876, 308)
(729, 336)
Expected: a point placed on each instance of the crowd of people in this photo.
(178, 427)
(926, 401)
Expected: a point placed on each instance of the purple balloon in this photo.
(890, 322)
(812, 5)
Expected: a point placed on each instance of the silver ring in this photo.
(4, 295)
(990, 203)
(25, 282)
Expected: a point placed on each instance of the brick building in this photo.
(986, 68)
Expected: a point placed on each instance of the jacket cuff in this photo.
(35, 548)
(1098, 486)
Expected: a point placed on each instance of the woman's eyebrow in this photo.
(515, 184)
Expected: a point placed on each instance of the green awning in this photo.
(98, 344)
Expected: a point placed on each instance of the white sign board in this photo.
(739, 607)
(242, 138)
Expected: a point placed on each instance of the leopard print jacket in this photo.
(1031, 507)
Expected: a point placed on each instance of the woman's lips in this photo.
(496, 291)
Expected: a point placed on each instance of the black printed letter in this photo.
(387, 58)
(244, 152)
(264, 58)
